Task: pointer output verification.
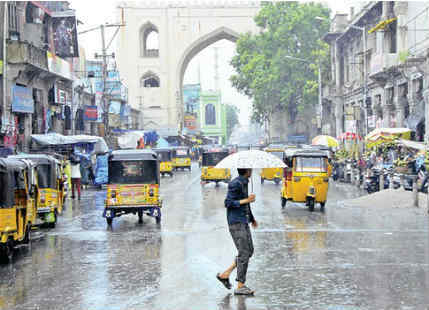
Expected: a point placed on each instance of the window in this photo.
(210, 114)
(310, 164)
(13, 20)
(150, 79)
(149, 41)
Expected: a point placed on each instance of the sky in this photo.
(94, 13)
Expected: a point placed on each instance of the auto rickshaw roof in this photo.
(305, 153)
(37, 158)
(133, 155)
(12, 164)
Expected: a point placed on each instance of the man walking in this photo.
(239, 215)
(75, 177)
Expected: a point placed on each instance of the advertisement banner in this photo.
(65, 34)
(22, 99)
(59, 66)
(90, 113)
(191, 98)
(190, 122)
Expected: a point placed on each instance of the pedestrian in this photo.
(239, 215)
(75, 177)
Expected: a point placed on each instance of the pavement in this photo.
(352, 256)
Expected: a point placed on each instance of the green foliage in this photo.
(265, 75)
(231, 119)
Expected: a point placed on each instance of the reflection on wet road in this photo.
(345, 258)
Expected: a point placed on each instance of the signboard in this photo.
(60, 95)
(191, 97)
(190, 122)
(22, 99)
(59, 66)
(371, 121)
(90, 113)
(65, 34)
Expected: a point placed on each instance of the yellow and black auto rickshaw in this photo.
(273, 174)
(181, 158)
(210, 158)
(133, 185)
(50, 187)
(165, 156)
(17, 204)
(306, 178)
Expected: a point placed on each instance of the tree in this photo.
(275, 82)
(231, 119)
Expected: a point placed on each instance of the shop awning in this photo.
(412, 144)
(381, 25)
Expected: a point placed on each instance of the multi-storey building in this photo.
(388, 69)
(36, 38)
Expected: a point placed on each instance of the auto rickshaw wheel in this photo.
(140, 214)
(109, 221)
(322, 206)
(283, 201)
(311, 204)
(277, 181)
(262, 180)
(158, 219)
(6, 253)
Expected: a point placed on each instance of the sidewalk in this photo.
(388, 198)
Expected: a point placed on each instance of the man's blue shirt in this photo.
(236, 213)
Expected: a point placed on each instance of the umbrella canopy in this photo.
(253, 159)
(325, 140)
(382, 135)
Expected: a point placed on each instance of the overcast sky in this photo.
(94, 13)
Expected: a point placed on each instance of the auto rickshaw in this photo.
(133, 185)
(273, 174)
(17, 204)
(181, 158)
(306, 178)
(165, 156)
(211, 158)
(50, 187)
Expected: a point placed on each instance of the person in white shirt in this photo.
(75, 178)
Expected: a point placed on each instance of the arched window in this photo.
(149, 41)
(150, 79)
(210, 114)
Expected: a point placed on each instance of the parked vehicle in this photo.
(50, 195)
(17, 204)
(133, 187)
(306, 178)
(372, 180)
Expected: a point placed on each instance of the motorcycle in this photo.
(372, 180)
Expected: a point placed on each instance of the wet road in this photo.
(345, 258)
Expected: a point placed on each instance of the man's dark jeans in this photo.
(240, 233)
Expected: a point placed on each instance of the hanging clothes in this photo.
(67, 116)
(79, 125)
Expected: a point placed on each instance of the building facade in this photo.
(213, 116)
(379, 68)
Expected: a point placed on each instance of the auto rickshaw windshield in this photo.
(212, 159)
(3, 189)
(182, 153)
(164, 156)
(133, 172)
(44, 178)
(310, 164)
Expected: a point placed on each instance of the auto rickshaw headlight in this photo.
(42, 199)
(151, 192)
(312, 191)
(113, 194)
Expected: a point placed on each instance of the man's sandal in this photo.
(225, 282)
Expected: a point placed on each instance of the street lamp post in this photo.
(319, 73)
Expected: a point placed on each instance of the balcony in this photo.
(382, 65)
(24, 53)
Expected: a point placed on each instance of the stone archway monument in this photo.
(183, 30)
